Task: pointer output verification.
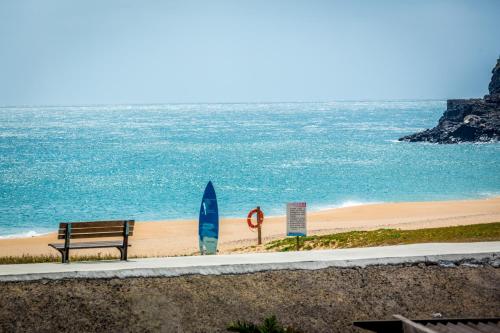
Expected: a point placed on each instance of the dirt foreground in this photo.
(326, 300)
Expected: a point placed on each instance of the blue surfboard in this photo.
(208, 228)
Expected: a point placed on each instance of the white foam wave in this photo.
(489, 194)
(345, 204)
(27, 234)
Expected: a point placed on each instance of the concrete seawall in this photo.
(320, 300)
(316, 291)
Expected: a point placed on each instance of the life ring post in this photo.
(259, 228)
(258, 225)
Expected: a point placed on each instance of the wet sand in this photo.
(180, 237)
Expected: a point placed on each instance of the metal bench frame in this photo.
(95, 229)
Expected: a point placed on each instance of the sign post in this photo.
(296, 220)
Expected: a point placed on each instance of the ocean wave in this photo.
(27, 234)
(344, 204)
(492, 194)
(281, 211)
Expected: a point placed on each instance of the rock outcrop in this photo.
(467, 120)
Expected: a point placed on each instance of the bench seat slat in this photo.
(88, 245)
(93, 224)
(95, 235)
(94, 229)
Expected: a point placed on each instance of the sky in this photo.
(59, 52)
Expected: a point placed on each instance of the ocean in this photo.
(152, 162)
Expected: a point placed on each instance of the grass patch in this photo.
(29, 259)
(467, 233)
(269, 325)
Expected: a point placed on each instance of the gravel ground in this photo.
(325, 300)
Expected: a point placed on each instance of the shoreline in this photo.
(316, 209)
(313, 209)
(180, 237)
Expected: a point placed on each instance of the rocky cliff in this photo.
(467, 120)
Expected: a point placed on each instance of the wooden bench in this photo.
(97, 229)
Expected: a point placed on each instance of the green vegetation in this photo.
(270, 325)
(28, 259)
(467, 233)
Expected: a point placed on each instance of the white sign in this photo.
(296, 219)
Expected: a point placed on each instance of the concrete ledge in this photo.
(257, 262)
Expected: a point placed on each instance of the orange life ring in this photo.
(260, 218)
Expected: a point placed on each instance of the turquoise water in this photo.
(152, 162)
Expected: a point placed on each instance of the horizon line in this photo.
(224, 103)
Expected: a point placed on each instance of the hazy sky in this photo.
(94, 52)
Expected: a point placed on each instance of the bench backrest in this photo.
(96, 229)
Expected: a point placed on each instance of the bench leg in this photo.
(123, 253)
(64, 255)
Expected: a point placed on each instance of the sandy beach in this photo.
(180, 237)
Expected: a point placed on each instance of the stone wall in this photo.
(326, 300)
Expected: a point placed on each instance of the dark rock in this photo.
(494, 86)
(467, 120)
(495, 263)
(446, 264)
